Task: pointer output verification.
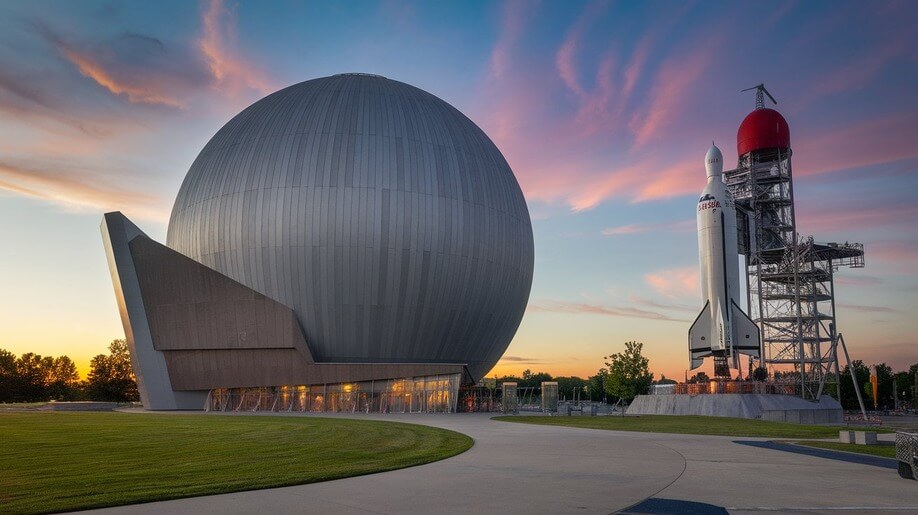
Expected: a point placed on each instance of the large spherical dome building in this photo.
(382, 216)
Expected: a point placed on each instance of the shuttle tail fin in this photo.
(699, 334)
(746, 333)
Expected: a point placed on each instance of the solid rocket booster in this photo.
(722, 328)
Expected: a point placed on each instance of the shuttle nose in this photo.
(714, 162)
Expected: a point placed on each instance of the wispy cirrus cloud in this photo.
(566, 56)
(514, 15)
(875, 140)
(600, 141)
(867, 309)
(136, 93)
(33, 96)
(137, 67)
(856, 215)
(899, 256)
(858, 280)
(560, 306)
(668, 306)
(97, 94)
(64, 185)
(521, 360)
(232, 73)
(676, 79)
(638, 228)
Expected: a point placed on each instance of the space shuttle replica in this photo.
(722, 329)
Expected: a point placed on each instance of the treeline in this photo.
(904, 386)
(627, 374)
(569, 387)
(34, 378)
(624, 376)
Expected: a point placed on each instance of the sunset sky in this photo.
(604, 110)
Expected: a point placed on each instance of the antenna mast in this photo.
(760, 93)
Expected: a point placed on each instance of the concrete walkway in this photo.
(522, 468)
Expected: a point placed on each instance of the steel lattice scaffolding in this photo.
(790, 282)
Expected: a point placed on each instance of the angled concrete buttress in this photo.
(149, 365)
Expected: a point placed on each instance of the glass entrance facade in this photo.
(427, 394)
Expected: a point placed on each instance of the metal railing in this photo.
(745, 387)
(907, 454)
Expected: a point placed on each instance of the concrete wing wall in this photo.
(191, 307)
(149, 365)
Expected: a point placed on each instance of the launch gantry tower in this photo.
(790, 280)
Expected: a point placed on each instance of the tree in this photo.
(534, 380)
(861, 376)
(884, 386)
(111, 377)
(63, 379)
(571, 387)
(629, 373)
(760, 374)
(32, 371)
(9, 379)
(903, 384)
(700, 377)
(596, 385)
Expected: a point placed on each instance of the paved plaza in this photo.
(523, 468)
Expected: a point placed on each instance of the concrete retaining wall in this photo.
(780, 408)
(80, 406)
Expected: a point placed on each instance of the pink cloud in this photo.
(675, 282)
(598, 187)
(565, 58)
(232, 73)
(596, 108)
(674, 82)
(624, 229)
(678, 226)
(870, 142)
(851, 216)
(858, 71)
(513, 19)
(899, 256)
(681, 178)
(578, 169)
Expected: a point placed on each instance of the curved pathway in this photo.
(523, 468)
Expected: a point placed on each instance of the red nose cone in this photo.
(762, 128)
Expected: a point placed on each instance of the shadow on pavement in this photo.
(658, 506)
(862, 459)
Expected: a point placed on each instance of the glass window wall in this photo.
(427, 394)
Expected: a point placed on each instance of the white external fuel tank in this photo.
(722, 328)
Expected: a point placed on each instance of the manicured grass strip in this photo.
(69, 461)
(885, 451)
(688, 424)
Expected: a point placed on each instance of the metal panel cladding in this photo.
(385, 218)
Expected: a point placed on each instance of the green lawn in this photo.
(689, 424)
(886, 451)
(69, 461)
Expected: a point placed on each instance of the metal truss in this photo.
(790, 281)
